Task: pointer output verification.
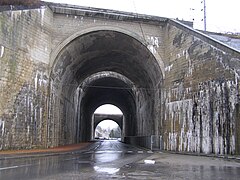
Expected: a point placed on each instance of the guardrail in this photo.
(153, 142)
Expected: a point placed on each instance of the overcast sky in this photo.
(222, 15)
(108, 124)
(108, 109)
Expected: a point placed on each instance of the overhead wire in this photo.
(140, 25)
(109, 87)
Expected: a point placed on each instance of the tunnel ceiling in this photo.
(108, 90)
(107, 51)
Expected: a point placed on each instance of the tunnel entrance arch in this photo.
(105, 67)
(132, 34)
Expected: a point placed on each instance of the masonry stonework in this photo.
(201, 94)
(175, 83)
(25, 47)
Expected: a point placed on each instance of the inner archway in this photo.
(104, 117)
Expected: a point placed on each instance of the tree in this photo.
(98, 131)
(111, 135)
(115, 133)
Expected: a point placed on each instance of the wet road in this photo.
(115, 160)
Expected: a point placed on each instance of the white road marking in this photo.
(14, 167)
(149, 161)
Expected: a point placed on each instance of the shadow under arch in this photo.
(237, 127)
(131, 34)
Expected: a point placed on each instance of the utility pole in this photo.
(201, 10)
(204, 15)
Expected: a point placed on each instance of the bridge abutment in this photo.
(58, 64)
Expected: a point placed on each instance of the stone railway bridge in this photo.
(97, 118)
(59, 63)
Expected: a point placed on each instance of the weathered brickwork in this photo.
(65, 26)
(25, 46)
(201, 93)
(175, 82)
(62, 115)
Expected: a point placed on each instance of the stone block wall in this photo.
(25, 45)
(63, 113)
(200, 93)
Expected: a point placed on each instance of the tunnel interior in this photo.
(105, 67)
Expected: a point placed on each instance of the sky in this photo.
(221, 15)
(108, 109)
(108, 124)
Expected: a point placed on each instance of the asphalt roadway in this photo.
(112, 159)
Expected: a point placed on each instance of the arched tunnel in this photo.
(112, 89)
(105, 67)
(105, 123)
(115, 118)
